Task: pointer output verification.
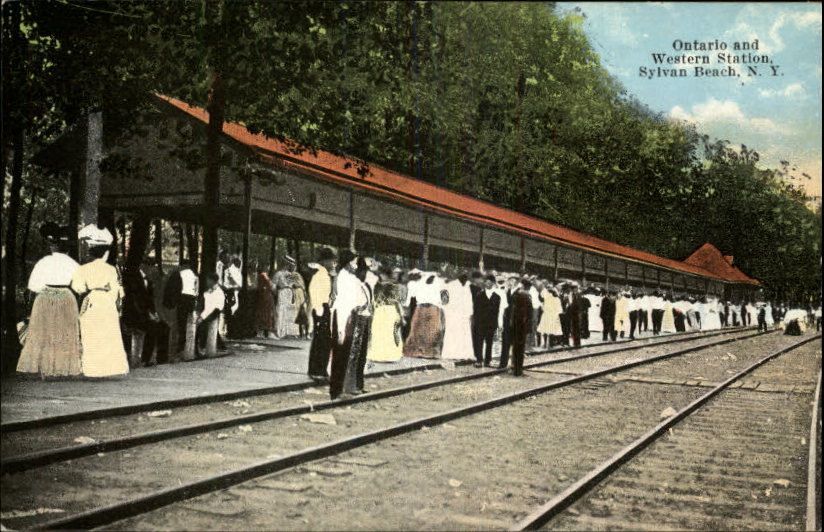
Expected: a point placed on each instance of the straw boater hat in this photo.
(95, 236)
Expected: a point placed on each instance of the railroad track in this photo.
(107, 413)
(41, 457)
(726, 466)
(99, 516)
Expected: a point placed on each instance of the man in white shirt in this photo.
(180, 293)
(644, 311)
(214, 301)
(657, 307)
(535, 298)
(634, 311)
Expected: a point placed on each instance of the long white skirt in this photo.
(457, 341)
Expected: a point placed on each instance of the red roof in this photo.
(410, 191)
(711, 259)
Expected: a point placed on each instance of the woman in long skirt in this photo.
(265, 306)
(103, 353)
(426, 331)
(287, 311)
(550, 325)
(457, 342)
(668, 320)
(386, 341)
(52, 346)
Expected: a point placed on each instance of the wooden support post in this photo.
(583, 268)
(181, 246)
(297, 255)
(75, 182)
(644, 278)
(523, 255)
(425, 251)
(90, 174)
(352, 225)
(247, 232)
(482, 249)
(555, 273)
(273, 249)
(658, 277)
(626, 273)
(158, 243)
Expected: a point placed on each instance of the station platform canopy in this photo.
(270, 187)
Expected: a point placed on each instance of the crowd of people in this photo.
(363, 310)
(354, 308)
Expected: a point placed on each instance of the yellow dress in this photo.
(385, 343)
(103, 353)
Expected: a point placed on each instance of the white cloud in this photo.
(755, 22)
(791, 91)
(727, 112)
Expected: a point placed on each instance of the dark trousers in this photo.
(203, 328)
(633, 322)
(724, 319)
(340, 359)
(518, 348)
(657, 319)
(575, 329)
(609, 332)
(762, 324)
(486, 336)
(679, 321)
(157, 335)
(817, 324)
(321, 346)
(565, 327)
(506, 338)
(185, 307)
(643, 316)
(362, 333)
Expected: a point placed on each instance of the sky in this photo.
(779, 116)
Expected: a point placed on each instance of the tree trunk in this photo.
(10, 341)
(138, 242)
(27, 230)
(212, 10)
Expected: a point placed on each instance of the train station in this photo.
(403, 266)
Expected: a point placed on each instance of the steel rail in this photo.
(542, 515)
(813, 489)
(33, 460)
(104, 515)
(102, 413)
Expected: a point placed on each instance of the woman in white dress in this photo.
(710, 319)
(550, 325)
(97, 282)
(457, 341)
(52, 345)
(768, 316)
(668, 320)
(622, 315)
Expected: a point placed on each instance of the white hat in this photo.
(95, 236)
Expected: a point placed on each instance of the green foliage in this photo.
(505, 101)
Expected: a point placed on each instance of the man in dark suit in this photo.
(506, 330)
(476, 286)
(486, 305)
(520, 324)
(608, 316)
(574, 312)
(139, 314)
